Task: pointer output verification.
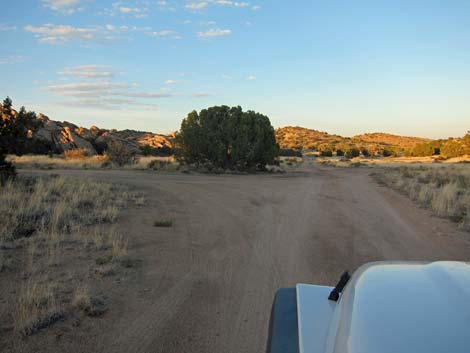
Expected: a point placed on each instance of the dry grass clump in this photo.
(443, 188)
(37, 307)
(90, 305)
(56, 205)
(77, 153)
(50, 225)
(57, 162)
(77, 159)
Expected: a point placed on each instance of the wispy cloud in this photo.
(192, 6)
(106, 103)
(12, 59)
(251, 78)
(214, 33)
(4, 27)
(60, 34)
(172, 82)
(103, 86)
(88, 71)
(65, 7)
(98, 90)
(137, 12)
(166, 33)
(230, 3)
(201, 5)
(63, 34)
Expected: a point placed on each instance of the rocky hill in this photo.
(63, 136)
(389, 139)
(299, 138)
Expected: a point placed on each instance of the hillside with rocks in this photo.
(64, 136)
(301, 139)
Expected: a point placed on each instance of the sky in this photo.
(345, 67)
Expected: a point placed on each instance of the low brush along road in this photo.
(207, 283)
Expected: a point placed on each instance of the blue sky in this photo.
(344, 67)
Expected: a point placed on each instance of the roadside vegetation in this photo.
(443, 188)
(53, 229)
(224, 138)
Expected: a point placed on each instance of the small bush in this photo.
(290, 152)
(159, 164)
(119, 154)
(165, 223)
(78, 153)
(88, 304)
(7, 170)
(326, 153)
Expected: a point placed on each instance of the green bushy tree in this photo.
(227, 138)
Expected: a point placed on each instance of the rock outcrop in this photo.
(64, 136)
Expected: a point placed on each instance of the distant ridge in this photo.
(300, 138)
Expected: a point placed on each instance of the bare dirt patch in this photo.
(206, 284)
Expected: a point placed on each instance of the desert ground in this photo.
(206, 284)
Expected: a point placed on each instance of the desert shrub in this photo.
(290, 152)
(119, 154)
(365, 152)
(77, 153)
(425, 149)
(228, 138)
(87, 303)
(339, 153)
(454, 148)
(159, 164)
(326, 153)
(352, 153)
(165, 223)
(7, 170)
(163, 151)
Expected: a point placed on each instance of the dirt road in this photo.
(206, 284)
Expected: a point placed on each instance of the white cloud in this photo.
(86, 86)
(165, 33)
(88, 71)
(172, 82)
(207, 23)
(201, 5)
(256, 7)
(65, 7)
(59, 34)
(137, 12)
(214, 33)
(197, 5)
(251, 78)
(230, 3)
(62, 34)
(226, 77)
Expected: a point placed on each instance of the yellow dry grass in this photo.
(444, 188)
(89, 162)
(43, 216)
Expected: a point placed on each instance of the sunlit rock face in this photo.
(66, 136)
